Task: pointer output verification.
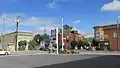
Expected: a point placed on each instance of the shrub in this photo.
(72, 52)
(68, 52)
(62, 52)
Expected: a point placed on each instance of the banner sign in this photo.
(53, 34)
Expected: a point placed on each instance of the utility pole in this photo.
(3, 47)
(62, 34)
(17, 25)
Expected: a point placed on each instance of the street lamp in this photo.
(17, 25)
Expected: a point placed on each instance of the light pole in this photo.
(62, 34)
(17, 25)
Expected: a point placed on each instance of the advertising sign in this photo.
(53, 34)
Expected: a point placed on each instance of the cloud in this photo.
(112, 6)
(119, 17)
(33, 21)
(56, 3)
(52, 4)
(76, 21)
(86, 33)
(9, 19)
(27, 23)
(48, 27)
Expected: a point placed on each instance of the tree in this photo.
(44, 36)
(89, 39)
(38, 38)
(66, 29)
(32, 44)
(73, 44)
(95, 42)
(22, 44)
(80, 43)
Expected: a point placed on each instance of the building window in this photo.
(101, 35)
(97, 36)
(115, 34)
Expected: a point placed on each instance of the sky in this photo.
(37, 15)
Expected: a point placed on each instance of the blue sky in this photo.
(39, 14)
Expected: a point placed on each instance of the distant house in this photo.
(44, 43)
(74, 35)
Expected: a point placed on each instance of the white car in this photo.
(2, 52)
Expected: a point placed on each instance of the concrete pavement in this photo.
(61, 61)
(80, 53)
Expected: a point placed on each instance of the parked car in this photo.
(3, 52)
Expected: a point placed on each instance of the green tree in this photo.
(95, 42)
(66, 29)
(38, 38)
(22, 44)
(32, 44)
(44, 36)
(73, 44)
(89, 39)
(80, 43)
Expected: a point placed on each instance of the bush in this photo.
(72, 52)
(62, 52)
(67, 52)
(21, 49)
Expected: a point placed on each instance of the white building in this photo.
(8, 42)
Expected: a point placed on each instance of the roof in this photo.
(46, 39)
(74, 29)
(109, 25)
(19, 32)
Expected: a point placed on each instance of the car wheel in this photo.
(6, 53)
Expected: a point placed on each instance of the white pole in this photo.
(62, 35)
(57, 39)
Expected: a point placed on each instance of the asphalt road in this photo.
(60, 61)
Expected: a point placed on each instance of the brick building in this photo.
(74, 35)
(110, 32)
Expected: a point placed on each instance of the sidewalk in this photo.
(28, 52)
